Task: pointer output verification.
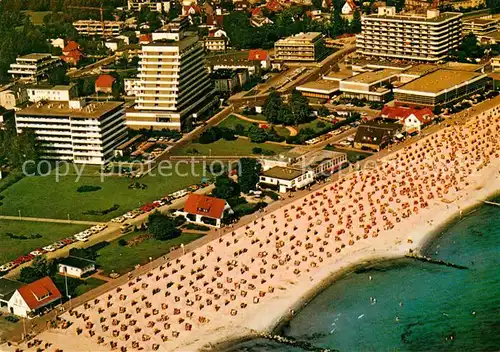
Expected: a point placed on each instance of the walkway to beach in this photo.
(59, 221)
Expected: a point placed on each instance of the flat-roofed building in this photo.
(286, 179)
(153, 5)
(33, 67)
(491, 38)
(302, 47)
(174, 85)
(51, 92)
(322, 89)
(73, 131)
(480, 26)
(440, 87)
(372, 85)
(495, 63)
(412, 37)
(98, 28)
(416, 71)
(215, 43)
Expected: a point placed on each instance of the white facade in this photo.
(33, 67)
(52, 93)
(93, 27)
(87, 134)
(18, 306)
(154, 5)
(174, 85)
(410, 37)
(73, 271)
(198, 217)
(12, 96)
(131, 86)
(495, 64)
(300, 179)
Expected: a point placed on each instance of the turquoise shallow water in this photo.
(410, 305)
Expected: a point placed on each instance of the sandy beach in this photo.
(253, 277)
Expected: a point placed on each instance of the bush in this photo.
(179, 220)
(88, 188)
(271, 194)
(256, 150)
(10, 181)
(320, 124)
(162, 227)
(208, 220)
(12, 318)
(196, 227)
(102, 212)
(122, 242)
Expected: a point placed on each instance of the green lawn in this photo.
(10, 248)
(238, 147)
(89, 284)
(314, 125)
(231, 121)
(122, 259)
(37, 16)
(256, 117)
(43, 196)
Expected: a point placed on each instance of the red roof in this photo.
(274, 6)
(105, 81)
(257, 54)
(145, 38)
(204, 205)
(257, 12)
(72, 45)
(351, 4)
(195, 8)
(401, 113)
(39, 293)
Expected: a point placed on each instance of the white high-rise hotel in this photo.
(174, 85)
(427, 37)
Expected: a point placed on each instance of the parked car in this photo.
(37, 252)
(49, 248)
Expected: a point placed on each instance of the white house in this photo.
(412, 119)
(76, 267)
(205, 210)
(37, 93)
(32, 299)
(349, 7)
(131, 86)
(286, 179)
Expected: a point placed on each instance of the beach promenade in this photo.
(252, 277)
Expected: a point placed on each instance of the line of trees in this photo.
(296, 112)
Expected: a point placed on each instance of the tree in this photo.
(225, 187)
(469, 49)
(257, 134)
(248, 176)
(299, 107)
(272, 106)
(338, 25)
(58, 76)
(355, 25)
(317, 4)
(40, 268)
(323, 111)
(162, 227)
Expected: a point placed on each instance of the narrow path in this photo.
(293, 131)
(59, 221)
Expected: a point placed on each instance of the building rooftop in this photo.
(372, 76)
(7, 288)
(339, 75)
(283, 173)
(493, 35)
(315, 158)
(421, 69)
(76, 262)
(183, 43)
(320, 86)
(417, 18)
(35, 56)
(439, 80)
(240, 58)
(91, 110)
(50, 86)
(481, 21)
(463, 66)
(301, 37)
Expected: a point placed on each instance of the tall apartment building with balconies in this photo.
(302, 47)
(33, 67)
(98, 28)
(75, 132)
(174, 85)
(480, 26)
(427, 37)
(153, 5)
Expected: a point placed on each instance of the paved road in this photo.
(96, 65)
(59, 221)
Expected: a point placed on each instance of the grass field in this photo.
(37, 16)
(314, 125)
(122, 259)
(231, 121)
(90, 284)
(238, 147)
(12, 248)
(43, 196)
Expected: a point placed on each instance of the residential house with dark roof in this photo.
(32, 299)
(375, 135)
(205, 210)
(75, 266)
(7, 289)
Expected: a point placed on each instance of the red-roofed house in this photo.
(413, 119)
(145, 38)
(31, 299)
(104, 83)
(205, 210)
(261, 56)
(274, 6)
(191, 10)
(349, 7)
(72, 53)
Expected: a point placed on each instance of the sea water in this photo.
(406, 305)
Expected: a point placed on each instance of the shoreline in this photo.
(424, 243)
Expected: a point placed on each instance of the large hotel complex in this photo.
(427, 37)
(75, 131)
(174, 85)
